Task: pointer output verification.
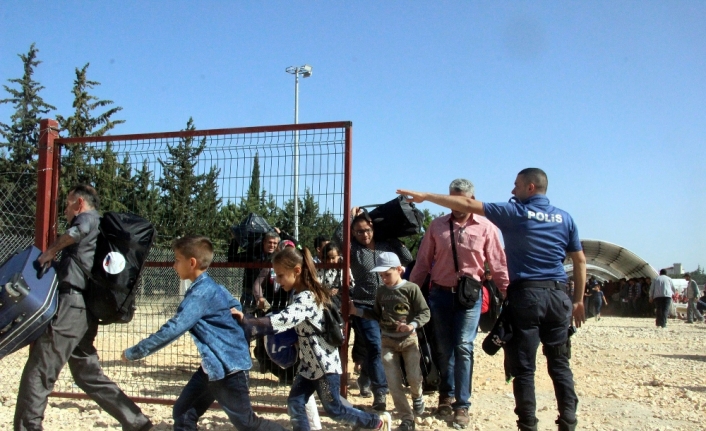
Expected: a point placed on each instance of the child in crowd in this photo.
(598, 300)
(205, 312)
(400, 309)
(333, 277)
(319, 367)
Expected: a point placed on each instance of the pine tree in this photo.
(76, 166)
(189, 203)
(311, 222)
(145, 198)
(21, 136)
(112, 179)
(206, 209)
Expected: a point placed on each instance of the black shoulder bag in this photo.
(468, 289)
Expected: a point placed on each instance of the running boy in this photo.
(225, 355)
(401, 309)
(319, 363)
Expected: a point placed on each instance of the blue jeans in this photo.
(539, 315)
(328, 388)
(455, 329)
(369, 331)
(232, 394)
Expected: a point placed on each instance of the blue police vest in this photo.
(537, 237)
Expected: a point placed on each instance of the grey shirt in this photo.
(84, 230)
(662, 287)
(692, 290)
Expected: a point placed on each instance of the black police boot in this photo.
(565, 426)
(527, 425)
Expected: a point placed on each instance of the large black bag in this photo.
(487, 320)
(396, 219)
(123, 244)
(250, 230)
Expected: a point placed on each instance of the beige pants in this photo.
(392, 350)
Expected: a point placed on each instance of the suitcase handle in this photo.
(17, 287)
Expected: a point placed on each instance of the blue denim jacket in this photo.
(205, 313)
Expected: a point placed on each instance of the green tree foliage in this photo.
(311, 222)
(255, 201)
(697, 275)
(188, 199)
(76, 166)
(112, 179)
(20, 138)
(144, 200)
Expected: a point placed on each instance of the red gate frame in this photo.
(49, 166)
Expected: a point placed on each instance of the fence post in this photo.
(48, 131)
(346, 246)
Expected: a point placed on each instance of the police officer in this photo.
(537, 238)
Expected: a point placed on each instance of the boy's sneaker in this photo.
(444, 408)
(380, 401)
(418, 406)
(364, 390)
(406, 425)
(385, 422)
(461, 418)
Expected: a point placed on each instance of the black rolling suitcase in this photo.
(28, 300)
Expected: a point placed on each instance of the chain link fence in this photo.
(191, 182)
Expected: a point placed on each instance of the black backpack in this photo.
(396, 219)
(334, 326)
(121, 250)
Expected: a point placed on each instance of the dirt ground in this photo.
(630, 375)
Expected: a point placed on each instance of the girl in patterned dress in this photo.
(319, 363)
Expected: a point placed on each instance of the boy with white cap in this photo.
(400, 309)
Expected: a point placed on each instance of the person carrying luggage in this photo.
(71, 335)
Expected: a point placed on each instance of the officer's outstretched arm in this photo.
(457, 203)
(579, 260)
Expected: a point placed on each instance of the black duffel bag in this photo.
(396, 219)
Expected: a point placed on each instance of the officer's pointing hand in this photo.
(411, 196)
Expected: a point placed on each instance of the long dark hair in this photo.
(290, 257)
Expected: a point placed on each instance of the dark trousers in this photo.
(70, 339)
(539, 315)
(662, 306)
(369, 331)
(328, 388)
(231, 392)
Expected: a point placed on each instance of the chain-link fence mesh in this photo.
(200, 182)
(17, 212)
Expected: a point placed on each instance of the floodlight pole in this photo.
(305, 71)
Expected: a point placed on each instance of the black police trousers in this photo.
(540, 315)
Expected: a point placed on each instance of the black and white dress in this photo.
(316, 356)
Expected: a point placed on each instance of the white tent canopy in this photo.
(607, 261)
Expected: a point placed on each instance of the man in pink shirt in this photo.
(455, 328)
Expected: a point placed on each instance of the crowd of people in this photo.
(390, 305)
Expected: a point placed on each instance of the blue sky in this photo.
(609, 98)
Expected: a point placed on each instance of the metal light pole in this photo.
(305, 72)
